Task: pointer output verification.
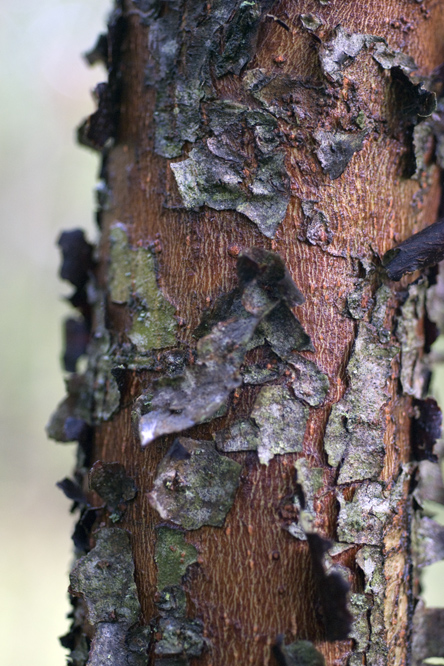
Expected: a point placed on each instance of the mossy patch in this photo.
(173, 555)
(132, 276)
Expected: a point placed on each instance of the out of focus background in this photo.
(46, 185)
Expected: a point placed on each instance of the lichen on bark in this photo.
(132, 275)
(194, 485)
(354, 434)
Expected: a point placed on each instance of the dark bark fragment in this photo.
(77, 334)
(421, 250)
(77, 256)
(114, 486)
(332, 590)
(336, 150)
(101, 127)
(72, 490)
(426, 428)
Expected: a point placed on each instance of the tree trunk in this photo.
(255, 446)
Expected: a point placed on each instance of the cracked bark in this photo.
(296, 136)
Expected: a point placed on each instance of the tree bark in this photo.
(253, 413)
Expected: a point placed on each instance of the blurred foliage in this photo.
(46, 184)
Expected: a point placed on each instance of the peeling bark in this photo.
(253, 414)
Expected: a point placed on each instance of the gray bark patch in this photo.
(317, 229)
(428, 630)
(105, 579)
(194, 485)
(299, 653)
(309, 383)
(310, 482)
(241, 436)
(336, 150)
(354, 433)
(214, 175)
(414, 369)
(281, 421)
(428, 541)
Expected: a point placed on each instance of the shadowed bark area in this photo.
(311, 131)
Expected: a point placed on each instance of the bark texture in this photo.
(253, 413)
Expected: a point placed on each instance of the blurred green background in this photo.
(46, 184)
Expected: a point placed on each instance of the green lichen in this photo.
(354, 433)
(359, 300)
(260, 373)
(138, 641)
(360, 120)
(120, 270)
(281, 421)
(309, 383)
(359, 606)
(240, 436)
(173, 555)
(105, 579)
(194, 485)
(370, 560)
(172, 599)
(368, 370)
(132, 275)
